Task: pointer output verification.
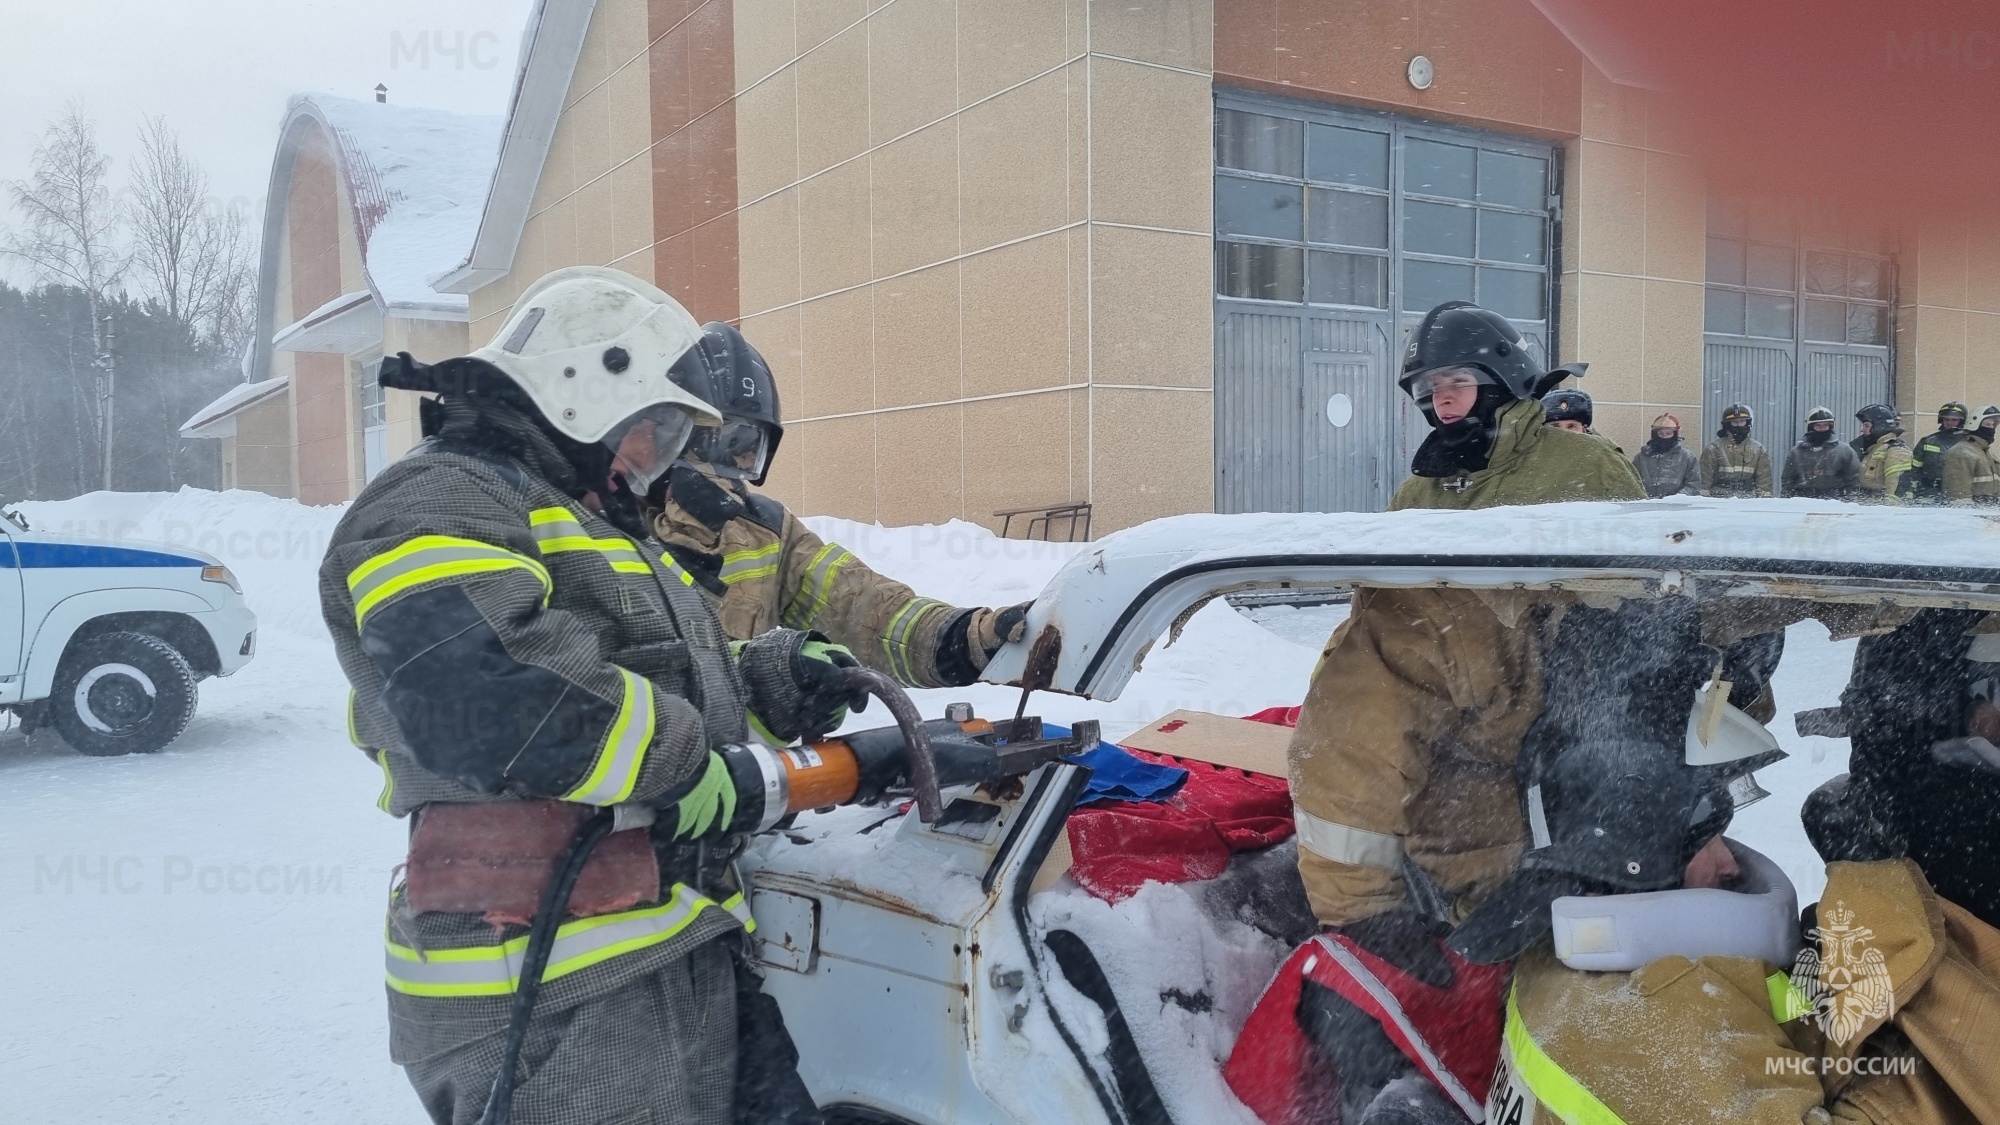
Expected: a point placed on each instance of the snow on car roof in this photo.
(1671, 528)
(1110, 601)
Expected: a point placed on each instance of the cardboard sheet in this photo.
(1218, 739)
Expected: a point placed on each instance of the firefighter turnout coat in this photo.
(1735, 468)
(1971, 475)
(1830, 471)
(1883, 464)
(1904, 1029)
(504, 643)
(1407, 739)
(766, 569)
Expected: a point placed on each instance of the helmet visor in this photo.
(644, 446)
(1462, 377)
(738, 450)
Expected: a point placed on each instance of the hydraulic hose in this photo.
(916, 740)
(541, 938)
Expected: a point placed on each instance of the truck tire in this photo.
(122, 693)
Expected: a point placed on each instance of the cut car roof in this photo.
(1110, 602)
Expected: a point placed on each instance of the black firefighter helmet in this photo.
(1953, 412)
(726, 371)
(1566, 406)
(1461, 334)
(1615, 798)
(1882, 417)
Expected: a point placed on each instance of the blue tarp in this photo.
(1118, 776)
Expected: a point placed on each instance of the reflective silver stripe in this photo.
(557, 530)
(757, 563)
(777, 783)
(427, 558)
(1439, 1073)
(494, 970)
(896, 641)
(616, 769)
(1345, 844)
(812, 595)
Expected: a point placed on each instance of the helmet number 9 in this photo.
(749, 387)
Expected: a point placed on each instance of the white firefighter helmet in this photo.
(591, 347)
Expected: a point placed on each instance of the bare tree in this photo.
(71, 239)
(71, 234)
(193, 253)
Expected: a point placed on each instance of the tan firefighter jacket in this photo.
(1882, 467)
(1407, 740)
(1971, 474)
(1906, 1033)
(1735, 468)
(766, 569)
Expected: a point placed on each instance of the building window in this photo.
(1761, 284)
(1378, 214)
(372, 408)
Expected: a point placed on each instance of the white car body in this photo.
(55, 588)
(893, 952)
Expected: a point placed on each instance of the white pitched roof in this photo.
(549, 50)
(218, 418)
(418, 180)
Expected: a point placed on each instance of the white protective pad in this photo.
(1619, 933)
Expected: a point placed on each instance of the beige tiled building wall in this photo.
(1634, 257)
(1948, 315)
(975, 246)
(594, 202)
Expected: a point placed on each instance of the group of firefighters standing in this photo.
(1957, 465)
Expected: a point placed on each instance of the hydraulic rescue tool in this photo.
(917, 757)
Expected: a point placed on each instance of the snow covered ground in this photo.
(192, 936)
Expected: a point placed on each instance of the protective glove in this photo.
(1841, 825)
(987, 629)
(1407, 940)
(709, 806)
(798, 683)
(733, 793)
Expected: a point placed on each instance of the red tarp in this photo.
(1116, 846)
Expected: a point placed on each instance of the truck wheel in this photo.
(122, 693)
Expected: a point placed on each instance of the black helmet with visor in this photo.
(726, 371)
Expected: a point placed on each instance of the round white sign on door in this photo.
(1340, 410)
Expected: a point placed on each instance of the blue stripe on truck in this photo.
(37, 555)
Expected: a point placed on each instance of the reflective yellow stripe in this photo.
(353, 734)
(896, 638)
(494, 970)
(735, 905)
(619, 760)
(1787, 1002)
(811, 598)
(1552, 1086)
(741, 566)
(557, 530)
(386, 802)
(428, 558)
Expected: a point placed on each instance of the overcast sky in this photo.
(220, 71)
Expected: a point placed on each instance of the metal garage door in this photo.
(1791, 327)
(1335, 231)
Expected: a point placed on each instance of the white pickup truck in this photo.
(105, 641)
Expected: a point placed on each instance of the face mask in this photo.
(1818, 437)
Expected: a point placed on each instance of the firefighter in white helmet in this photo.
(540, 686)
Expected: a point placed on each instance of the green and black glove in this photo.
(739, 789)
(798, 684)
